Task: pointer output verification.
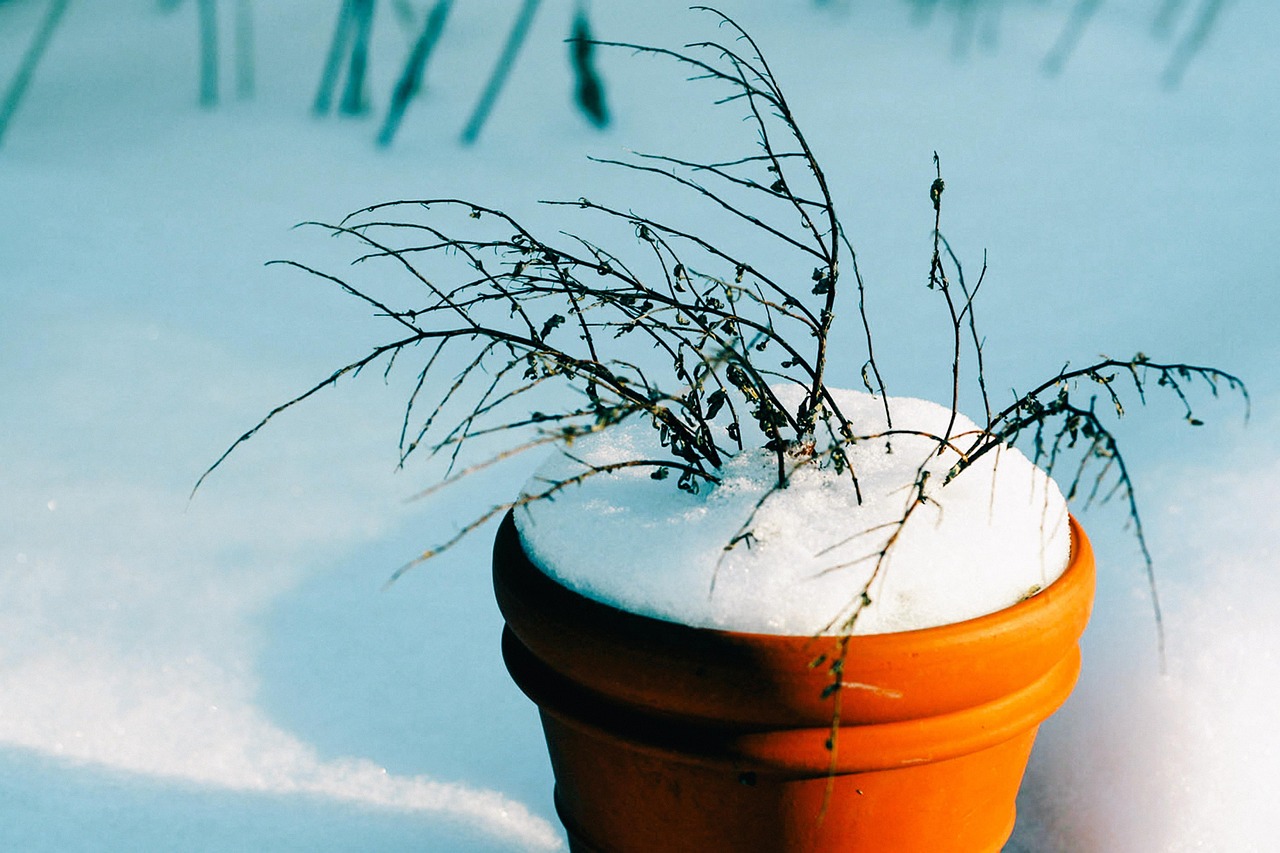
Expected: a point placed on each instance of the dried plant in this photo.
(679, 328)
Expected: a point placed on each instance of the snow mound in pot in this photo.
(988, 539)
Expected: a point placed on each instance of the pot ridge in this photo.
(765, 679)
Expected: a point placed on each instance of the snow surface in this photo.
(139, 334)
(981, 543)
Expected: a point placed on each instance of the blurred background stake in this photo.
(333, 62)
(1069, 38)
(244, 50)
(967, 13)
(411, 77)
(353, 97)
(1191, 43)
(208, 14)
(989, 32)
(1162, 26)
(405, 14)
(589, 90)
(350, 42)
(519, 30)
(29, 62)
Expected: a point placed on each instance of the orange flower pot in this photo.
(666, 738)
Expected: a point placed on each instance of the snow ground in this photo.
(229, 674)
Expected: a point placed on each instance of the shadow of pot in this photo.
(667, 738)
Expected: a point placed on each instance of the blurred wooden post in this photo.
(29, 62)
(244, 50)
(515, 39)
(351, 42)
(207, 11)
(414, 69)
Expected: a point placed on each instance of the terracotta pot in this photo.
(666, 738)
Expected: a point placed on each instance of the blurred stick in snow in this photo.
(29, 62)
(207, 11)
(353, 101)
(589, 90)
(1191, 43)
(1070, 36)
(332, 62)
(515, 40)
(350, 40)
(415, 67)
(244, 50)
(1162, 26)
(971, 25)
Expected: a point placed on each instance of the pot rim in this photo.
(771, 679)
